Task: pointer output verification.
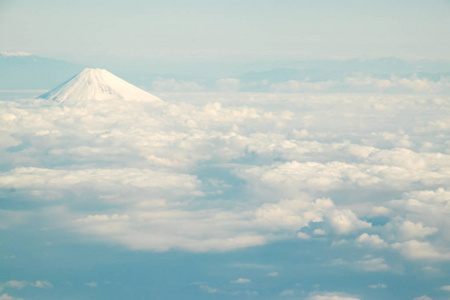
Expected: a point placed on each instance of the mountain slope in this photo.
(97, 85)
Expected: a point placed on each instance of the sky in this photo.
(328, 181)
(226, 31)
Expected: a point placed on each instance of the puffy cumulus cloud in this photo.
(292, 214)
(371, 240)
(100, 180)
(420, 250)
(345, 221)
(160, 226)
(161, 230)
(289, 177)
(410, 230)
(204, 172)
(319, 295)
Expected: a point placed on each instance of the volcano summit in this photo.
(98, 85)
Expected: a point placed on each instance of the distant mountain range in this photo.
(322, 70)
(23, 71)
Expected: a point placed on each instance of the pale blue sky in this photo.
(187, 31)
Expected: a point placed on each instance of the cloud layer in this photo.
(211, 174)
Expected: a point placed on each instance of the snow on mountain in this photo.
(99, 85)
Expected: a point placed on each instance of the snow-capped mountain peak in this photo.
(99, 85)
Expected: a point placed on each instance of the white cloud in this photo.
(410, 230)
(241, 280)
(445, 288)
(208, 289)
(319, 232)
(286, 293)
(317, 295)
(7, 297)
(345, 221)
(376, 264)
(419, 250)
(378, 286)
(91, 284)
(371, 240)
(303, 235)
(16, 284)
(42, 284)
(365, 84)
(20, 284)
(424, 297)
(294, 161)
(367, 264)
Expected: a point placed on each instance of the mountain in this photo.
(97, 85)
(24, 71)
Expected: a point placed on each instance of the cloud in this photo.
(409, 230)
(318, 295)
(15, 284)
(445, 288)
(376, 264)
(7, 297)
(364, 84)
(214, 173)
(303, 235)
(287, 293)
(208, 289)
(371, 240)
(345, 221)
(424, 297)
(241, 280)
(319, 232)
(378, 286)
(419, 250)
(91, 284)
(228, 84)
(368, 264)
